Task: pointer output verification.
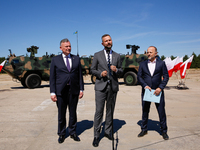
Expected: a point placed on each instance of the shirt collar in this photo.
(152, 62)
(69, 56)
(110, 51)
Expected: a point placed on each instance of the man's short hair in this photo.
(104, 36)
(63, 41)
(154, 47)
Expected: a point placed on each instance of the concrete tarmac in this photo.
(28, 119)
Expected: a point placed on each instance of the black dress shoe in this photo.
(95, 142)
(61, 138)
(165, 136)
(110, 137)
(142, 133)
(75, 137)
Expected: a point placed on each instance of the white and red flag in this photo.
(167, 59)
(186, 65)
(2, 64)
(177, 64)
(170, 65)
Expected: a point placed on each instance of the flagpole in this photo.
(77, 43)
(187, 71)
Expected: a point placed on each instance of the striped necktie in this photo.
(68, 66)
(108, 52)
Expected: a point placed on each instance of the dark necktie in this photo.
(68, 66)
(108, 52)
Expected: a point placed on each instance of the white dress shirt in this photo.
(152, 66)
(65, 60)
(107, 56)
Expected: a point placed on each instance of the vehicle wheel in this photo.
(33, 81)
(130, 78)
(23, 82)
(93, 79)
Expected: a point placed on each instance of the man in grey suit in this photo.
(106, 66)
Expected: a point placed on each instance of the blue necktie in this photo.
(108, 52)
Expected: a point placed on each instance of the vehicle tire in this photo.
(33, 81)
(93, 79)
(130, 78)
(23, 83)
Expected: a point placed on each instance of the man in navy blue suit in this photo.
(66, 87)
(153, 74)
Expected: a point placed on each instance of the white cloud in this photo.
(186, 42)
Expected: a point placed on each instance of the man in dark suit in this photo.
(150, 76)
(66, 87)
(106, 66)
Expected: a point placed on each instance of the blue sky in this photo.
(172, 26)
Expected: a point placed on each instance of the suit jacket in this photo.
(60, 76)
(155, 81)
(99, 64)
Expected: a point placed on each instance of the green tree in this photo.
(194, 61)
(198, 61)
(162, 57)
(2, 59)
(172, 57)
(185, 58)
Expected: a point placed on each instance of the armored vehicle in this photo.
(31, 70)
(130, 65)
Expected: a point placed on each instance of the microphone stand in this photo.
(110, 95)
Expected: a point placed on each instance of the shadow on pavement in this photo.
(152, 125)
(117, 124)
(81, 127)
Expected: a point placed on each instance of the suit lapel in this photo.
(147, 68)
(103, 58)
(157, 65)
(62, 62)
(113, 58)
(73, 61)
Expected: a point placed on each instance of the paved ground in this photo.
(28, 118)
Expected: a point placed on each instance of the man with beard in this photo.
(153, 74)
(106, 66)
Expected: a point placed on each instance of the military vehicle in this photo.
(130, 65)
(31, 70)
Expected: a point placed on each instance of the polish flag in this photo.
(177, 64)
(170, 65)
(186, 65)
(2, 64)
(167, 59)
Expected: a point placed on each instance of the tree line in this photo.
(195, 61)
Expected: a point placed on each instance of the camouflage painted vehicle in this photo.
(30, 71)
(86, 63)
(130, 65)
